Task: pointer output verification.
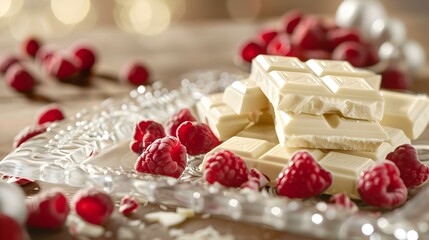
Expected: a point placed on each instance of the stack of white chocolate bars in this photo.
(328, 108)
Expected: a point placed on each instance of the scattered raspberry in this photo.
(343, 202)
(225, 168)
(255, 180)
(135, 73)
(10, 229)
(62, 67)
(250, 49)
(303, 177)
(17, 180)
(381, 186)
(47, 210)
(93, 205)
(129, 204)
(310, 34)
(290, 20)
(198, 138)
(340, 35)
(27, 133)
(413, 173)
(18, 78)
(30, 46)
(49, 114)
(266, 35)
(7, 61)
(145, 133)
(174, 122)
(315, 54)
(165, 156)
(281, 45)
(45, 54)
(85, 56)
(353, 52)
(395, 78)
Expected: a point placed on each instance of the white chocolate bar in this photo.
(406, 111)
(222, 120)
(397, 137)
(265, 132)
(345, 170)
(293, 86)
(328, 131)
(245, 97)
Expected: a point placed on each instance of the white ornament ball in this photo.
(414, 54)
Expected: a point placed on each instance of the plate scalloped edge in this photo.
(57, 156)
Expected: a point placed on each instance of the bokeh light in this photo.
(70, 12)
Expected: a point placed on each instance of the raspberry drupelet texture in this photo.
(412, 172)
(174, 122)
(165, 156)
(381, 186)
(225, 168)
(303, 177)
(198, 138)
(342, 201)
(93, 205)
(145, 133)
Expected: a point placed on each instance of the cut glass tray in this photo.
(86, 151)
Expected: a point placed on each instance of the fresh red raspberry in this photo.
(30, 46)
(145, 133)
(310, 34)
(198, 138)
(10, 229)
(343, 202)
(413, 172)
(255, 180)
(174, 122)
(45, 54)
(395, 77)
(27, 133)
(62, 67)
(17, 180)
(281, 45)
(337, 36)
(93, 205)
(48, 210)
(129, 204)
(49, 114)
(225, 168)
(303, 177)
(166, 156)
(18, 78)
(290, 20)
(85, 56)
(7, 61)
(353, 52)
(315, 54)
(381, 186)
(135, 73)
(266, 35)
(250, 49)
(372, 55)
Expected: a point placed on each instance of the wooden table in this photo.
(181, 49)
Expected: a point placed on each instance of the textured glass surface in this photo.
(83, 151)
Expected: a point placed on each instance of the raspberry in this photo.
(85, 56)
(30, 46)
(10, 229)
(290, 20)
(342, 201)
(381, 186)
(353, 52)
(394, 77)
(49, 114)
(18, 78)
(250, 49)
(174, 122)
(225, 168)
(337, 36)
(17, 180)
(310, 34)
(45, 53)
(47, 210)
(7, 61)
(303, 177)
(134, 73)
(93, 205)
(266, 35)
(198, 138)
(413, 173)
(281, 45)
(315, 54)
(165, 156)
(255, 180)
(145, 133)
(27, 133)
(62, 67)
(128, 205)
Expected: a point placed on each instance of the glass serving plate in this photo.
(80, 151)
